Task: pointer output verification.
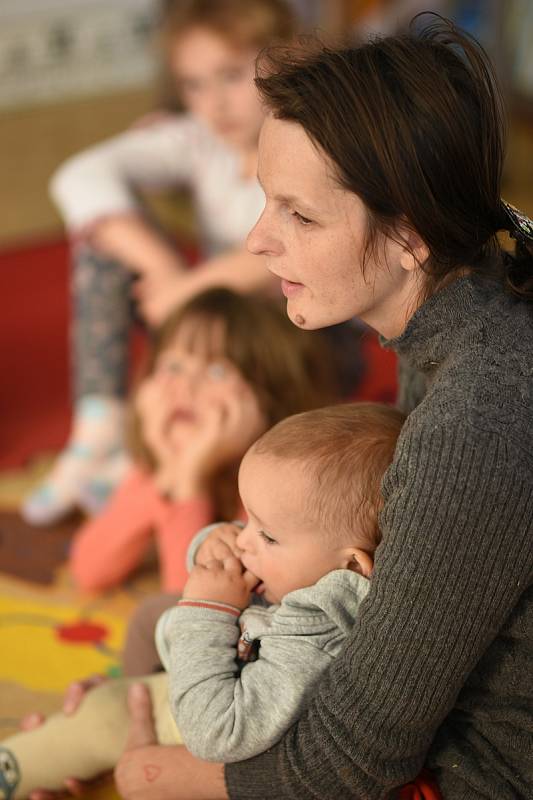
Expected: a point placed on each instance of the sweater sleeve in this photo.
(223, 715)
(109, 546)
(178, 524)
(103, 180)
(454, 560)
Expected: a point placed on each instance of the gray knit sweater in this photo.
(438, 669)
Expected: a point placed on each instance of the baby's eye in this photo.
(266, 538)
(217, 371)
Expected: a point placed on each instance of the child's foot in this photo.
(97, 436)
(9, 774)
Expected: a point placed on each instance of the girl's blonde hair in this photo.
(290, 370)
(244, 23)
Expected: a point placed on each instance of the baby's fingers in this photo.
(232, 565)
(250, 579)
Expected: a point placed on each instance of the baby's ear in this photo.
(360, 561)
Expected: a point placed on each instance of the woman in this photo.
(381, 167)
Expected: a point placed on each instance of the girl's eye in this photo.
(233, 75)
(266, 538)
(170, 368)
(301, 219)
(217, 371)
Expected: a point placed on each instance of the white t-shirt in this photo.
(176, 150)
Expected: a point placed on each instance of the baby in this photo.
(237, 674)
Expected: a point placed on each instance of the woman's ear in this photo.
(415, 251)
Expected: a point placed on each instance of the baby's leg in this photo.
(83, 745)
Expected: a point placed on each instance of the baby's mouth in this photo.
(260, 588)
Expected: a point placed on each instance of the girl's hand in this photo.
(231, 420)
(221, 543)
(158, 292)
(222, 582)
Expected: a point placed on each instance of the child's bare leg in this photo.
(84, 744)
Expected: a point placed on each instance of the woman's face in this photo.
(215, 82)
(312, 232)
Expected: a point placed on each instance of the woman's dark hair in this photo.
(414, 125)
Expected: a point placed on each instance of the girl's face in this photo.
(312, 232)
(190, 379)
(215, 81)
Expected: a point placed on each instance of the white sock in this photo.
(97, 435)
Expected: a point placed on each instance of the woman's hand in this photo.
(222, 582)
(149, 771)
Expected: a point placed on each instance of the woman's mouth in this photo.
(290, 288)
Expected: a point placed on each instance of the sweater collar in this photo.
(431, 331)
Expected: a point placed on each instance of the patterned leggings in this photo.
(102, 316)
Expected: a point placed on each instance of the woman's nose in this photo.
(261, 240)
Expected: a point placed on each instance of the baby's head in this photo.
(311, 487)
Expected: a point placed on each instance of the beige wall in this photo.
(34, 141)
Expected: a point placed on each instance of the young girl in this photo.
(223, 369)
(210, 47)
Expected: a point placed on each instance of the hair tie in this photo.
(519, 225)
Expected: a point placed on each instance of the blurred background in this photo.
(73, 72)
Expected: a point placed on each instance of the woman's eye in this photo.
(301, 219)
(266, 538)
(217, 371)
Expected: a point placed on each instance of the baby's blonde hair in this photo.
(345, 451)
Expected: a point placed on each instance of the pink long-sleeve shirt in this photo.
(111, 545)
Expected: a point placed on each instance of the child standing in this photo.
(209, 47)
(310, 561)
(223, 369)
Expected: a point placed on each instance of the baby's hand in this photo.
(221, 543)
(221, 581)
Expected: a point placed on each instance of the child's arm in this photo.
(109, 546)
(224, 716)
(101, 182)
(178, 524)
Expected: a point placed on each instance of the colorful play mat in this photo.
(50, 634)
